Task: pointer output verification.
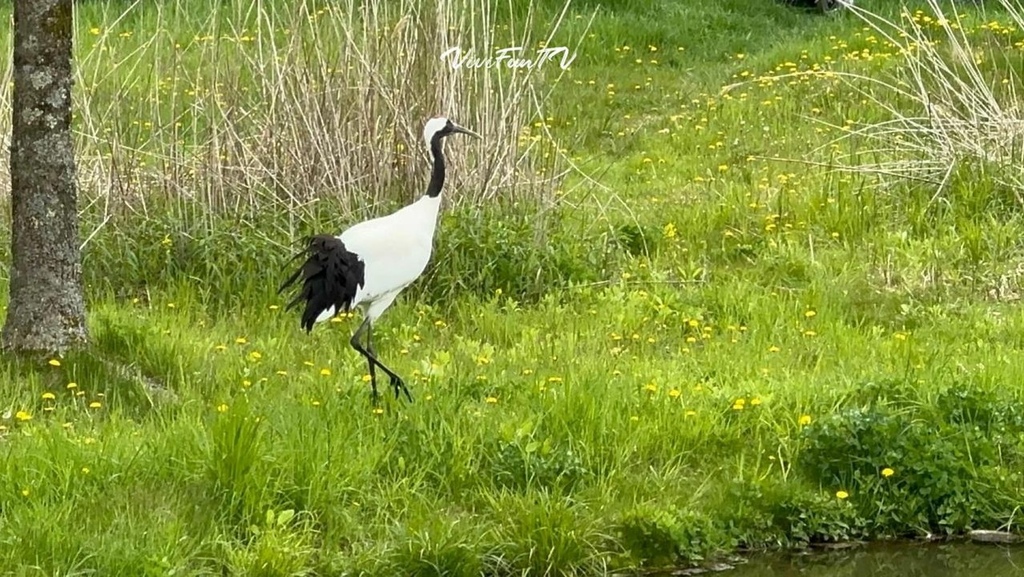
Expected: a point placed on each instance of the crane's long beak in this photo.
(457, 128)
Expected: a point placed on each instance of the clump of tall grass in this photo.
(950, 102)
(266, 105)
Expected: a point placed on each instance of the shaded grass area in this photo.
(704, 350)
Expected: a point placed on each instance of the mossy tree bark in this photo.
(46, 312)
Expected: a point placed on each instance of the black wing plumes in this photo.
(330, 276)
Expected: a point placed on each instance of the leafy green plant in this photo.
(656, 535)
(923, 471)
(523, 458)
(280, 546)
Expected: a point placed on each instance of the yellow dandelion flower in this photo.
(554, 379)
(72, 385)
(53, 363)
(282, 373)
(222, 408)
(23, 416)
(634, 418)
(255, 355)
(809, 313)
(274, 307)
(95, 405)
(755, 401)
(491, 400)
(85, 470)
(887, 472)
(220, 348)
(842, 495)
(651, 388)
(804, 420)
(25, 492)
(315, 403)
(325, 372)
(241, 340)
(690, 413)
(674, 393)
(527, 371)
(48, 396)
(366, 378)
(378, 411)
(773, 349)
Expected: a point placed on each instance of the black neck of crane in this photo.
(437, 175)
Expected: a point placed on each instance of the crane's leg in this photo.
(372, 367)
(396, 382)
(371, 359)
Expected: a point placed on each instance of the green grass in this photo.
(701, 340)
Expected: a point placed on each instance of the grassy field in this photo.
(742, 276)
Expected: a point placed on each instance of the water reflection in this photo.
(904, 560)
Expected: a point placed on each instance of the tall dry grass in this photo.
(951, 101)
(269, 105)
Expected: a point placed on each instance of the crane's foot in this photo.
(399, 386)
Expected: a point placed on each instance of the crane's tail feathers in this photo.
(331, 275)
(306, 241)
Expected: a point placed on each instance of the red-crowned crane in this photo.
(367, 266)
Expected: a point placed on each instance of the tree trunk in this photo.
(47, 308)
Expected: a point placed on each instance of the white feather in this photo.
(395, 248)
(433, 126)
